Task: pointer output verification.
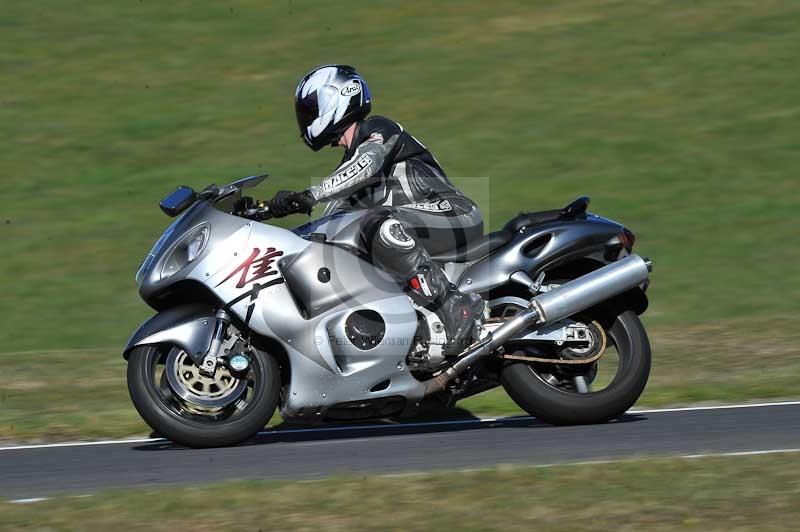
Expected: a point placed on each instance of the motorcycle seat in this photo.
(576, 209)
(528, 219)
(487, 244)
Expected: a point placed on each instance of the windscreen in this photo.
(248, 182)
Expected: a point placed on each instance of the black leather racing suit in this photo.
(414, 210)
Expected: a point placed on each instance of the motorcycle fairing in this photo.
(540, 247)
(341, 228)
(308, 314)
(282, 297)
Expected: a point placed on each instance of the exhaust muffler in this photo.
(590, 289)
(561, 302)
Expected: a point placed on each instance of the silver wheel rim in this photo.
(186, 382)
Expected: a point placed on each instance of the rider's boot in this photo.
(461, 314)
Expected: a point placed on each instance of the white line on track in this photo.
(597, 462)
(28, 501)
(640, 459)
(78, 444)
(715, 407)
(743, 453)
(31, 500)
(385, 426)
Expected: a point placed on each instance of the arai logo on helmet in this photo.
(351, 89)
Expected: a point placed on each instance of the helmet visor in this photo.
(307, 110)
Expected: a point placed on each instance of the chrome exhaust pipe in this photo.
(566, 300)
(481, 349)
(593, 288)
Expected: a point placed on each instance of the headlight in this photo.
(185, 251)
(197, 244)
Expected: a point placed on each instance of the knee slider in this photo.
(394, 236)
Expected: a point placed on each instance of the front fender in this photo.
(189, 327)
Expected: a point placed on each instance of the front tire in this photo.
(164, 411)
(561, 406)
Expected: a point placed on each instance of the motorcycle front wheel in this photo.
(183, 405)
(584, 394)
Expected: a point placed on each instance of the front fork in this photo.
(209, 364)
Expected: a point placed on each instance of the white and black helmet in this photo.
(327, 100)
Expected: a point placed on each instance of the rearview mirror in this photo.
(178, 201)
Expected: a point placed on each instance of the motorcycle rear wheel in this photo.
(530, 388)
(215, 414)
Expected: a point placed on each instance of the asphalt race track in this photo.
(82, 468)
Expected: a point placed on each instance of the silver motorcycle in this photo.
(252, 317)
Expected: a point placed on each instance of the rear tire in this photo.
(560, 407)
(192, 431)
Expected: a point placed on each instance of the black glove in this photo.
(305, 202)
(286, 202)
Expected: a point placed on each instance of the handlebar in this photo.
(247, 208)
(258, 214)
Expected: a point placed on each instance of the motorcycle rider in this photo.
(414, 210)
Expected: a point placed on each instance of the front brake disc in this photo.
(188, 383)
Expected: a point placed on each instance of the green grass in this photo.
(726, 494)
(679, 118)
